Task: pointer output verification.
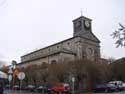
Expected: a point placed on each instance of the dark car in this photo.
(106, 88)
(30, 88)
(40, 89)
(101, 88)
(16, 87)
(43, 89)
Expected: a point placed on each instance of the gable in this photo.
(91, 36)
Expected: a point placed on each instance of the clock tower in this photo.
(81, 25)
(88, 45)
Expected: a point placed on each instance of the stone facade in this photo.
(83, 44)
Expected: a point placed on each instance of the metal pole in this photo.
(20, 85)
(9, 87)
(73, 82)
(73, 88)
(13, 83)
(9, 79)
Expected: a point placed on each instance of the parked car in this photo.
(16, 87)
(30, 88)
(64, 88)
(40, 89)
(112, 86)
(118, 84)
(101, 88)
(43, 89)
(121, 87)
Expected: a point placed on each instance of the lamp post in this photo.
(21, 76)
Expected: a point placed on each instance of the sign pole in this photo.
(10, 77)
(20, 85)
(73, 81)
(21, 76)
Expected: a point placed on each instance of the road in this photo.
(23, 92)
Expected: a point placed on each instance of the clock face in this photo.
(87, 24)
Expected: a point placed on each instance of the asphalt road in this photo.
(23, 92)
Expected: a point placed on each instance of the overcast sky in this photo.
(27, 25)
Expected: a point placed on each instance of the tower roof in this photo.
(81, 17)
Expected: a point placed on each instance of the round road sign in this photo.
(21, 75)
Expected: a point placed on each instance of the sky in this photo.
(28, 25)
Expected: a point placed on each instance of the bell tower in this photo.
(81, 25)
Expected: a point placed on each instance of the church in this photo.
(83, 45)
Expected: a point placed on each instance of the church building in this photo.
(83, 45)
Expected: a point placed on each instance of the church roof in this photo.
(50, 46)
(63, 50)
(94, 38)
(82, 17)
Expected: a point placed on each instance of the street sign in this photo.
(21, 75)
